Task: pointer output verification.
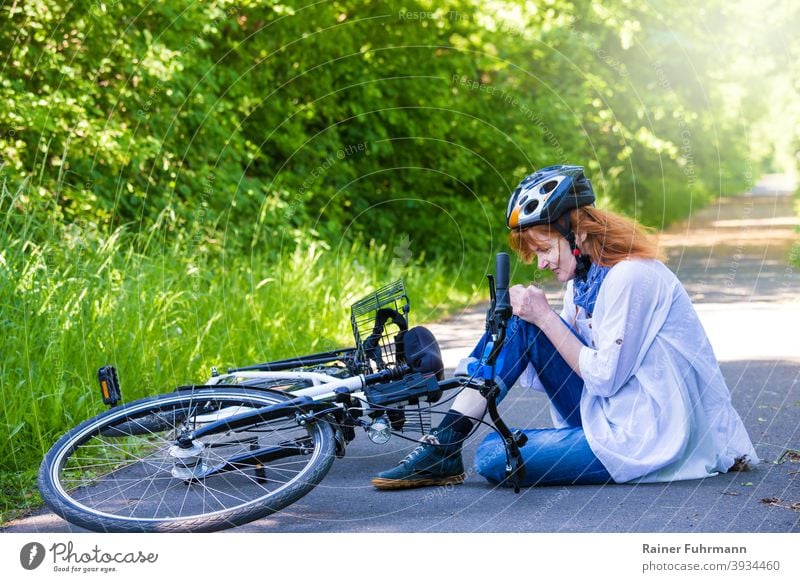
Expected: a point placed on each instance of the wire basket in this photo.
(412, 418)
(376, 321)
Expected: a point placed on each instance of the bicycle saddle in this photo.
(421, 351)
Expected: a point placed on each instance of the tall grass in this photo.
(73, 298)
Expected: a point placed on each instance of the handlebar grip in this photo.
(502, 269)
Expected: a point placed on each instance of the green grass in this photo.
(75, 298)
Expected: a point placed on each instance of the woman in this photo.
(635, 391)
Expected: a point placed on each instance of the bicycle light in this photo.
(380, 431)
(109, 385)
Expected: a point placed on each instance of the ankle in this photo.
(457, 422)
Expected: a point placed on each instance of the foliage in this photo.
(256, 116)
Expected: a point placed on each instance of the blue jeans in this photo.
(552, 456)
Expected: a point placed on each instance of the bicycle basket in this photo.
(376, 321)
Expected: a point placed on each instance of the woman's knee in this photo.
(551, 457)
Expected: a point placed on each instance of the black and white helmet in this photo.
(544, 196)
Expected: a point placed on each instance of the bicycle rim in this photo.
(115, 472)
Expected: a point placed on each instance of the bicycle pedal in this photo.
(109, 385)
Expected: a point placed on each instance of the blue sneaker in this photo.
(435, 462)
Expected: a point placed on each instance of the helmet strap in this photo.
(583, 261)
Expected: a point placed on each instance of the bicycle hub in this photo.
(188, 463)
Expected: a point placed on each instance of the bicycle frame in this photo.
(345, 354)
(325, 390)
(331, 397)
(311, 404)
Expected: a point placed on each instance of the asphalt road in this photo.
(766, 393)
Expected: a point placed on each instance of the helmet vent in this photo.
(531, 206)
(549, 186)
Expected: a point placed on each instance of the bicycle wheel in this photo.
(115, 472)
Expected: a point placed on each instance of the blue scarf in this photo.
(586, 290)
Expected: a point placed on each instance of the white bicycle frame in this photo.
(323, 386)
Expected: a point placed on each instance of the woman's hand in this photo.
(529, 304)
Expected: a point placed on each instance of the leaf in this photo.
(16, 429)
(791, 455)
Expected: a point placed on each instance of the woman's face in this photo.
(552, 252)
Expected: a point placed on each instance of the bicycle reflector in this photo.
(109, 385)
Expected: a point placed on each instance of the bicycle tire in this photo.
(127, 484)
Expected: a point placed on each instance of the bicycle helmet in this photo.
(546, 195)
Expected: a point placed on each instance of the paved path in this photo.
(732, 259)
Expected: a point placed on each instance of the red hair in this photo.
(610, 238)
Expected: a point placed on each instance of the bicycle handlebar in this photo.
(500, 311)
(497, 321)
(502, 269)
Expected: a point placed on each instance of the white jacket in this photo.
(655, 406)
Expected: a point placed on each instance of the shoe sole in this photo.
(380, 483)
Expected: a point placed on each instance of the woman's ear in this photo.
(580, 238)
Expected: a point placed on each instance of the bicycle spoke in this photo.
(150, 484)
(118, 473)
(211, 496)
